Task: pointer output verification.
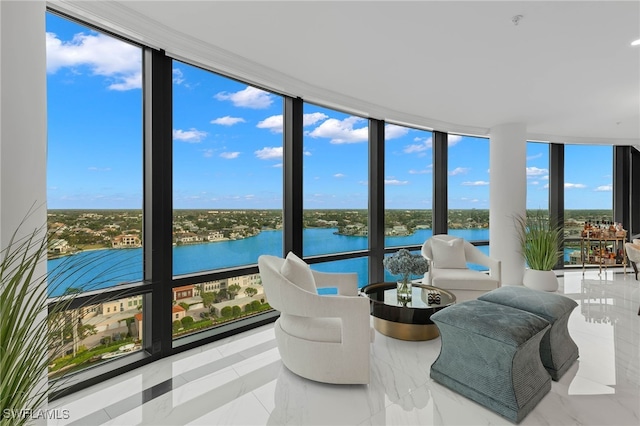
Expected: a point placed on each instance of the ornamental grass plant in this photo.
(540, 239)
(31, 323)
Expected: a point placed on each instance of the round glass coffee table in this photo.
(406, 319)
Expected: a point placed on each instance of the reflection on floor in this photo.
(241, 380)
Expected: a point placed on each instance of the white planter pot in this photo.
(540, 280)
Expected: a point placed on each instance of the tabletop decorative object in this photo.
(405, 264)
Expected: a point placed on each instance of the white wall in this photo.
(507, 197)
(23, 121)
(23, 114)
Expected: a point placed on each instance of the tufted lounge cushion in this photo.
(558, 351)
(490, 354)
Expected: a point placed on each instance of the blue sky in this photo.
(227, 142)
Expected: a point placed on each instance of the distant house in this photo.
(215, 236)
(58, 246)
(210, 286)
(177, 313)
(188, 238)
(126, 241)
(183, 292)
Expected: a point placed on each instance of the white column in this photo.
(23, 116)
(507, 197)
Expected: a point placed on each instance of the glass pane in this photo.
(94, 164)
(588, 192)
(206, 305)
(335, 178)
(408, 185)
(227, 171)
(95, 333)
(468, 186)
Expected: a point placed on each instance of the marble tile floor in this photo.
(241, 380)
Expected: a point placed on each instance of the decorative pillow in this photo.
(298, 272)
(448, 254)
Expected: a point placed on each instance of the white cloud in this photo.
(105, 56)
(250, 97)
(339, 175)
(395, 182)
(604, 188)
(227, 120)
(476, 183)
(392, 131)
(422, 145)
(269, 153)
(341, 131)
(410, 149)
(534, 182)
(313, 118)
(535, 156)
(190, 136)
(546, 186)
(99, 169)
(178, 77)
(535, 171)
(459, 171)
(273, 123)
(128, 83)
(208, 153)
(229, 155)
(574, 185)
(545, 177)
(453, 139)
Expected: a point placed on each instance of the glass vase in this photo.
(404, 290)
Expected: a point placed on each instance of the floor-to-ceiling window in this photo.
(335, 175)
(227, 194)
(588, 178)
(94, 192)
(408, 186)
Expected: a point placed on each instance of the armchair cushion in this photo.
(313, 329)
(463, 279)
(448, 254)
(298, 272)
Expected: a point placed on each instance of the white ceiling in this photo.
(567, 70)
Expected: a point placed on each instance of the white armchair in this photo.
(633, 254)
(448, 257)
(323, 338)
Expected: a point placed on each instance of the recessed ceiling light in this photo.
(636, 43)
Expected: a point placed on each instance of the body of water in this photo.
(105, 268)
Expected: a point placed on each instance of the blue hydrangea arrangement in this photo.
(406, 264)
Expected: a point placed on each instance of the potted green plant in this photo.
(540, 239)
(405, 264)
